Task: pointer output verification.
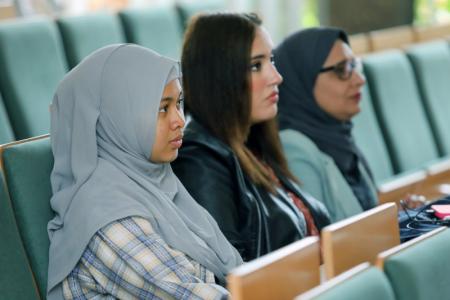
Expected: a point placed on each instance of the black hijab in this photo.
(299, 59)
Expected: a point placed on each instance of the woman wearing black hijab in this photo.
(319, 96)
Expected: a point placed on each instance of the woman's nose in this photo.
(358, 78)
(178, 119)
(276, 77)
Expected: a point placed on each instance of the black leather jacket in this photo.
(253, 220)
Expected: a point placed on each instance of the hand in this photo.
(413, 201)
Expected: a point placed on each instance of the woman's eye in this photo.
(256, 67)
(272, 60)
(180, 104)
(163, 109)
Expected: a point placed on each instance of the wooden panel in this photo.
(428, 33)
(400, 187)
(395, 37)
(432, 183)
(282, 274)
(7, 10)
(360, 238)
(360, 44)
(437, 184)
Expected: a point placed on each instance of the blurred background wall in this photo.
(280, 16)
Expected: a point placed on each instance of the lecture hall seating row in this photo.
(36, 53)
(397, 37)
(404, 114)
(415, 270)
(402, 129)
(404, 109)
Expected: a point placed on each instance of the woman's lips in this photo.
(176, 142)
(273, 97)
(357, 96)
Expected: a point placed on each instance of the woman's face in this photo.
(264, 78)
(169, 127)
(339, 97)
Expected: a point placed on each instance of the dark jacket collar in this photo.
(196, 133)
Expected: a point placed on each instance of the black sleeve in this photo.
(209, 180)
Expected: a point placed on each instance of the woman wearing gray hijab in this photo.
(125, 227)
(320, 94)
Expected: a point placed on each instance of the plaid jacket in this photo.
(128, 260)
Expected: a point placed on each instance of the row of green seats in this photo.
(419, 272)
(404, 121)
(36, 53)
(416, 270)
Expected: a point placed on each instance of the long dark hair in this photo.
(216, 81)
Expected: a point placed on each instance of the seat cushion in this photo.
(27, 168)
(400, 110)
(158, 28)
(421, 272)
(369, 284)
(16, 280)
(431, 62)
(31, 65)
(369, 138)
(6, 132)
(187, 8)
(82, 35)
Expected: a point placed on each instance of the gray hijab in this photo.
(103, 126)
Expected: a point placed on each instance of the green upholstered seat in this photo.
(157, 27)
(82, 35)
(431, 63)
(187, 8)
(368, 137)
(27, 168)
(421, 271)
(362, 282)
(6, 132)
(31, 65)
(400, 111)
(16, 278)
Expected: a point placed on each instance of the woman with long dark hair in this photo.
(231, 160)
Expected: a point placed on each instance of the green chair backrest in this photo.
(6, 132)
(31, 65)
(27, 168)
(400, 110)
(368, 137)
(156, 27)
(362, 282)
(431, 63)
(82, 35)
(16, 278)
(187, 8)
(421, 271)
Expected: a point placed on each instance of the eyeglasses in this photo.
(345, 68)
